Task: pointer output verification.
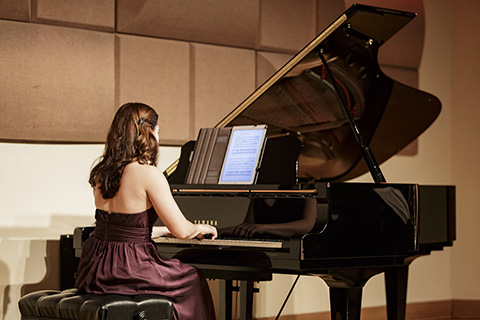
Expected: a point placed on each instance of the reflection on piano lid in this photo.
(299, 100)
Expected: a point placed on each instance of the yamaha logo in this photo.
(210, 222)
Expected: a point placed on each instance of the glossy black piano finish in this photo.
(362, 229)
(353, 219)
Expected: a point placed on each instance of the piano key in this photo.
(247, 243)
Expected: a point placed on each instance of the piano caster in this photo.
(246, 290)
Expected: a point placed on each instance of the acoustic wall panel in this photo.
(223, 77)
(286, 25)
(157, 72)
(56, 83)
(163, 56)
(226, 22)
(15, 10)
(268, 63)
(327, 12)
(91, 14)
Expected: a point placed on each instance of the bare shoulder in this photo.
(146, 173)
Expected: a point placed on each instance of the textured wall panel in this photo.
(226, 22)
(15, 10)
(327, 12)
(157, 72)
(223, 78)
(55, 83)
(286, 25)
(96, 14)
(268, 63)
(405, 48)
(47, 71)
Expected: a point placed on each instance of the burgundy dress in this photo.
(120, 258)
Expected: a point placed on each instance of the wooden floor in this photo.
(434, 310)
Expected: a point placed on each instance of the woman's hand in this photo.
(206, 231)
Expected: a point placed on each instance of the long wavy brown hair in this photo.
(131, 138)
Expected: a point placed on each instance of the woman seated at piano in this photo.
(130, 193)
(275, 217)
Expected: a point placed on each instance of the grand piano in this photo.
(332, 115)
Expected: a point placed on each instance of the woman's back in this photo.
(131, 196)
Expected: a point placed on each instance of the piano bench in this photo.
(69, 304)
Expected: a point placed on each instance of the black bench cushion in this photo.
(69, 304)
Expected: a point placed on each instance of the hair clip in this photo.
(140, 121)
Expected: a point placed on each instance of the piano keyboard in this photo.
(250, 243)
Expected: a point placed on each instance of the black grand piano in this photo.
(332, 115)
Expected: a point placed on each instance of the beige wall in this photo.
(466, 147)
(43, 189)
(44, 193)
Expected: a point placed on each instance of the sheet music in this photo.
(244, 151)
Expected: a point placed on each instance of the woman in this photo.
(130, 193)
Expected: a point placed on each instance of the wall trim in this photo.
(431, 310)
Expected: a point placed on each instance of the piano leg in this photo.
(226, 291)
(246, 300)
(396, 280)
(245, 289)
(345, 303)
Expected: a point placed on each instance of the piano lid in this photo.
(300, 100)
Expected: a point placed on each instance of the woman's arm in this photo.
(158, 192)
(161, 231)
